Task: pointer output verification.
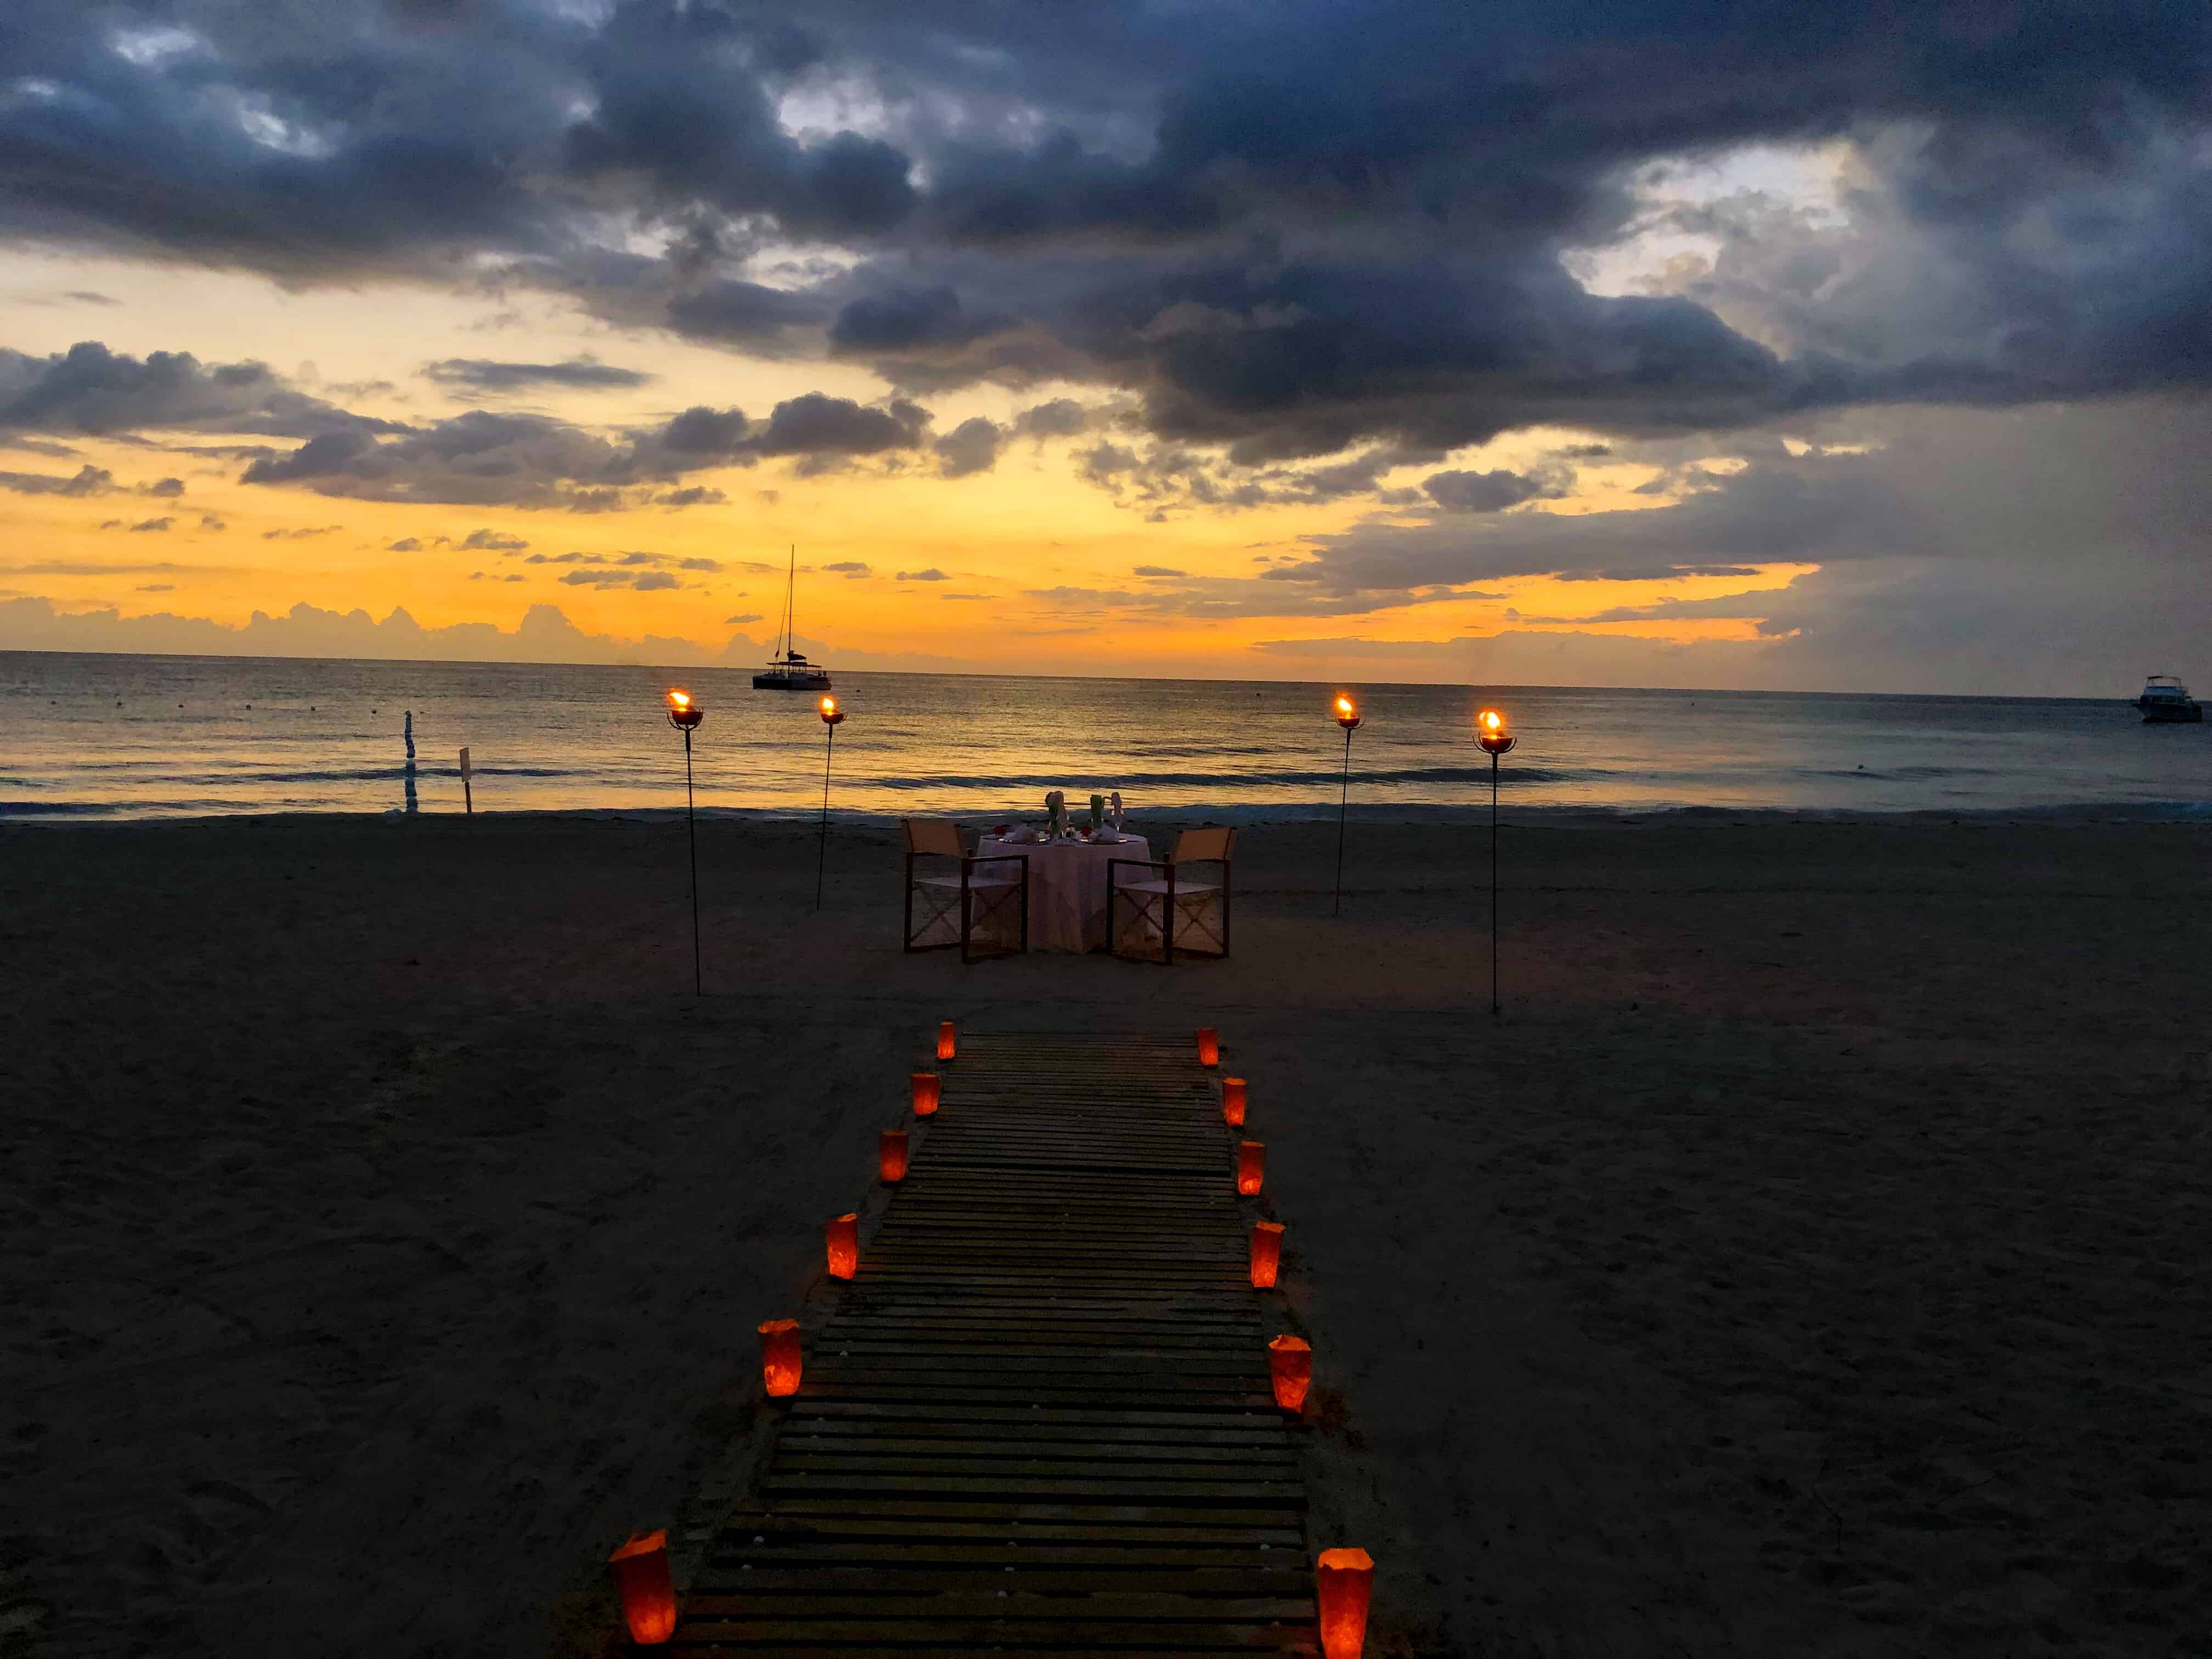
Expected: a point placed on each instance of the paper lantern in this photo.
(845, 1245)
(647, 1592)
(781, 1361)
(945, 1043)
(1209, 1046)
(890, 1155)
(1345, 1578)
(1267, 1254)
(1251, 1165)
(1232, 1102)
(1289, 1368)
(929, 1090)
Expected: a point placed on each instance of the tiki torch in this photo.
(831, 716)
(1348, 718)
(1491, 733)
(684, 716)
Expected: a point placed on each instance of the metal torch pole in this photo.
(1343, 802)
(691, 825)
(822, 858)
(1493, 884)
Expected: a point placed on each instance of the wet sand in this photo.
(1813, 1260)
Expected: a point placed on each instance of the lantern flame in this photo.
(1290, 1370)
(781, 1361)
(1344, 1581)
(1267, 1254)
(642, 1584)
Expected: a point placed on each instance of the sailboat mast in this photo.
(790, 605)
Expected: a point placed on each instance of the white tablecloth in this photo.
(1067, 887)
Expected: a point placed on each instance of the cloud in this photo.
(94, 391)
(642, 581)
(491, 375)
(851, 569)
(156, 587)
(696, 495)
(145, 526)
(929, 576)
(404, 544)
(1489, 492)
(304, 533)
(1155, 570)
(168, 487)
(739, 620)
(210, 522)
(493, 541)
(85, 481)
(971, 446)
(542, 634)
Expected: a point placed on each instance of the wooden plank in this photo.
(1039, 1420)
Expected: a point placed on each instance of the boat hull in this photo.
(791, 683)
(2166, 714)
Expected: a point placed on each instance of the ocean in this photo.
(93, 738)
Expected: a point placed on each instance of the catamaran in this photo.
(788, 671)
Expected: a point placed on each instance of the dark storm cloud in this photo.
(1286, 233)
(491, 375)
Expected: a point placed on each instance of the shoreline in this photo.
(1512, 815)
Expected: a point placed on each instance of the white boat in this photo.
(2166, 700)
(788, 671)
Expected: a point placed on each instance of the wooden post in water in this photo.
(468, 800)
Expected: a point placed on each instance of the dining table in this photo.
(1067, 884)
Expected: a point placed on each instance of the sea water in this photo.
(103, 737)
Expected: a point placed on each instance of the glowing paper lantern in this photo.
(929, 1090)
(781, 1363)
(1251, 1165)
(1289, 1368)
(1232, 1102)
(1267, 1254)
(647, 1593)
(845, 1245)
(945, 1043)
(1209, 1046)
(890, 1155)
(1344, 1580)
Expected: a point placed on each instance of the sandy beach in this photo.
(1813, 1260)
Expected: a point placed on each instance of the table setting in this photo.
(1067, 868)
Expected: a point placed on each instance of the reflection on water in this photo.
(105, 736)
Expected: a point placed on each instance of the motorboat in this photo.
(2165, 701)
(788, 671)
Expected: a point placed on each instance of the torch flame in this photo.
(1343, 705)
(679, 700)
(1493, 720)
(829, 705)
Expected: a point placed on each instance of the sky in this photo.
(1850, 347)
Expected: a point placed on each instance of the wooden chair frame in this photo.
(969, 864)
(1203, 839)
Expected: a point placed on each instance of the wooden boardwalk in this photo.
(1040, 1420)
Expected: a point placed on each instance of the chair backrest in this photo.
(1203, 846)
(932, 836)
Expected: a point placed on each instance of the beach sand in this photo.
(1815, 1258)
